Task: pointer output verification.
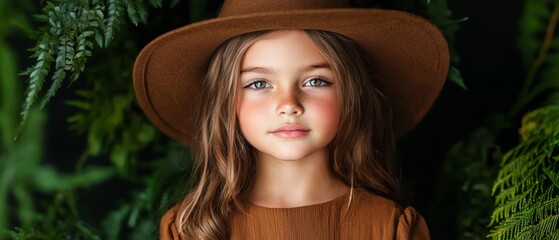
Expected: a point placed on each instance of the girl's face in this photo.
(288, 105)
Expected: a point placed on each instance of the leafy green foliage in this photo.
(139, 216)
(60, 221)
(108, 115)
(540, 54)
(465, 181)
(7, 111)
(527, 194)
(439, 13)
(114, 19)
(115, 127)
(37, 74)
(22, 174)
(73, 26)
(136, 11)
(68, 40)
(527, 191)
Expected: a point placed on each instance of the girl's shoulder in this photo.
(364, 202)
(369, 215)
(168, 228)
(407, 222)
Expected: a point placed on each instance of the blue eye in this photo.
(258, 85)
(316, 82)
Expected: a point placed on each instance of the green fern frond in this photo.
(57, 77)
(156, 3)
(37, 74)
(107, 115)
(548, 218)
(136, 11)
(73, 28)
(527, 192)
(62, 64)
(114, 18)
(554, 177)
(68, 40)
(142, 11)
(96, 23)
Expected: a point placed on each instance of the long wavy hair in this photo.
(361, 155)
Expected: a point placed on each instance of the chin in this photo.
(289, 158)
(292, 154)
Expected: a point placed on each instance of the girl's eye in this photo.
(258, 85)
(316, 82)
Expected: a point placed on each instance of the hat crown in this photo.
(243, 7)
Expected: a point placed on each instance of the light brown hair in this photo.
(361, 154)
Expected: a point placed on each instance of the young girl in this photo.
(293, 108)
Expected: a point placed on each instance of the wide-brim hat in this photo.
(408, 54)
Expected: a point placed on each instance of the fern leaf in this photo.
(58, 78)
(156, 3)
(554, 177)
(142, 11)
(37, 75)
(133, 12)
(527, 201)
(96, 25)
(137, 12)
(113, 21)
(63, 62)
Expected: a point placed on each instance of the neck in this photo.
(285, 184)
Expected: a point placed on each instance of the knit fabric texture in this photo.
(368, 217)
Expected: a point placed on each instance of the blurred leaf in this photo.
(439, 13)
(143, 229)
(531, 27)
(538, 44)
(465, 180)
(49, 180)
(25, 208)
(155, 3)
(119, 157)
(8, 100)
(114, 221)
(455, 76)
(16, 157)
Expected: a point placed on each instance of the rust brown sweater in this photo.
(369, 217)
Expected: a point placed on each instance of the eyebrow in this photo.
(265, 70)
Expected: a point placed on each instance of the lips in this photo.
(290, 131)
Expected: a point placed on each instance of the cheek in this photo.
(328, 113)
(249, 114)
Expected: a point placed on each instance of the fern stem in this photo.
(524, 97)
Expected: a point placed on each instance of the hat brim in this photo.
(408, 53)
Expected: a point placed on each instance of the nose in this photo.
(289, 104)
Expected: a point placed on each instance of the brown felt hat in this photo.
(407, 52)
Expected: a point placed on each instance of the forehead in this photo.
(283, 48)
